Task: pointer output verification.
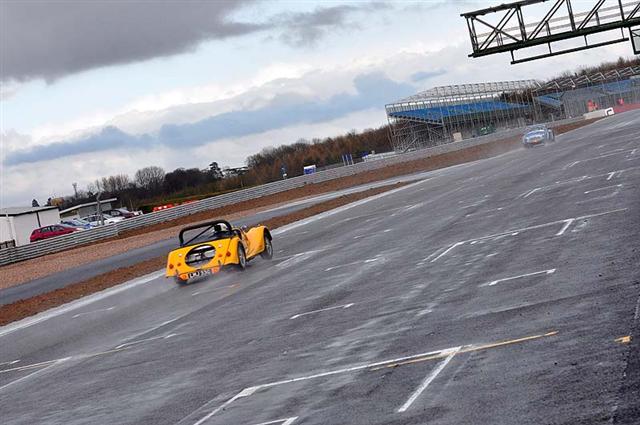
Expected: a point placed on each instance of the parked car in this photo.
(537, 135)
(94, 219)
(50, 231)
(121, 212)
(78, 223)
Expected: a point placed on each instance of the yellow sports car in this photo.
(206, 247)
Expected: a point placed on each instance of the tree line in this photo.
(152, 185)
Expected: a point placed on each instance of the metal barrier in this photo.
(61, 243)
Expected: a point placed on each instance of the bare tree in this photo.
(150, 178)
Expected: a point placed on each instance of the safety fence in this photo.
(61, 243)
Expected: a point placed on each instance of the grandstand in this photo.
(574, 96)
(450, 113)
(445, 114)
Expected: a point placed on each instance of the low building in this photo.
(89, 208)
(17, 223)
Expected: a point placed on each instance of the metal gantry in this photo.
(509, 28)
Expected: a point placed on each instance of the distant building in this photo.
(89, 208)
(17, 223)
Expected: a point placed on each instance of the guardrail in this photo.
(61, 243)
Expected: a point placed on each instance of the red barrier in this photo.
(624, 108)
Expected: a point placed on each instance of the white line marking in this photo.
(434, 373)
(286, 421)
(370, 260)
(567, 223)
(329, 213)
(92, 312)
(514, 232)
(37, 372)
(295, 316)
(602, 188)
(596, 157)
(244, 393)
(140, 341)
(25, 323)
(155, 328)
(446, 251)
(432, 354)
(297, 258)
(495, 282)
(611, 175)
(531, 192)
(9, 363)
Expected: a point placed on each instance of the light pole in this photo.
(99, 208)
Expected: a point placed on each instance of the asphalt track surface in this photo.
(505, 291)
(95, 268)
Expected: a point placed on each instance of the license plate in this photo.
(200, 273)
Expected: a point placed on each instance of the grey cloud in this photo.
(306, 28)
(372, 91)
(50, 39)
(425, 75)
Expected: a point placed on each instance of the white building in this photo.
(89, 208)
(17, 223)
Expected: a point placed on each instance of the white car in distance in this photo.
(94, 219)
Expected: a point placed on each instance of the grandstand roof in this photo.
(449, 111)
(466, 90)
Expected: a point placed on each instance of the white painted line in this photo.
(295, 316)
(286, 421)
(140, 341)
(10, 363)
(531, 192)
(514, 232)
(31, 375)
(329, 213)
(155, 328)
(607, 154)
(602, 188)
(611, 175)
(244, 393)
(370, 260)
(92, 312)
(495, 282)
(566, 225)
(297, 258)
(431, 354)
(82, 302)
(434, 373)
(446, 251)
(602, 213)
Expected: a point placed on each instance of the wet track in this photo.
(503, 291)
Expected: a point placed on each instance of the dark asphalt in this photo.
(504, 291)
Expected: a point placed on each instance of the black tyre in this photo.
(242, 258)
(267, 253)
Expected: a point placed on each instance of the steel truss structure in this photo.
(444, 114)
(513, 31)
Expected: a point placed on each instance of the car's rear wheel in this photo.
(267, 252)
(242, 258)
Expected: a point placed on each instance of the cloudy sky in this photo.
(94, 88)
